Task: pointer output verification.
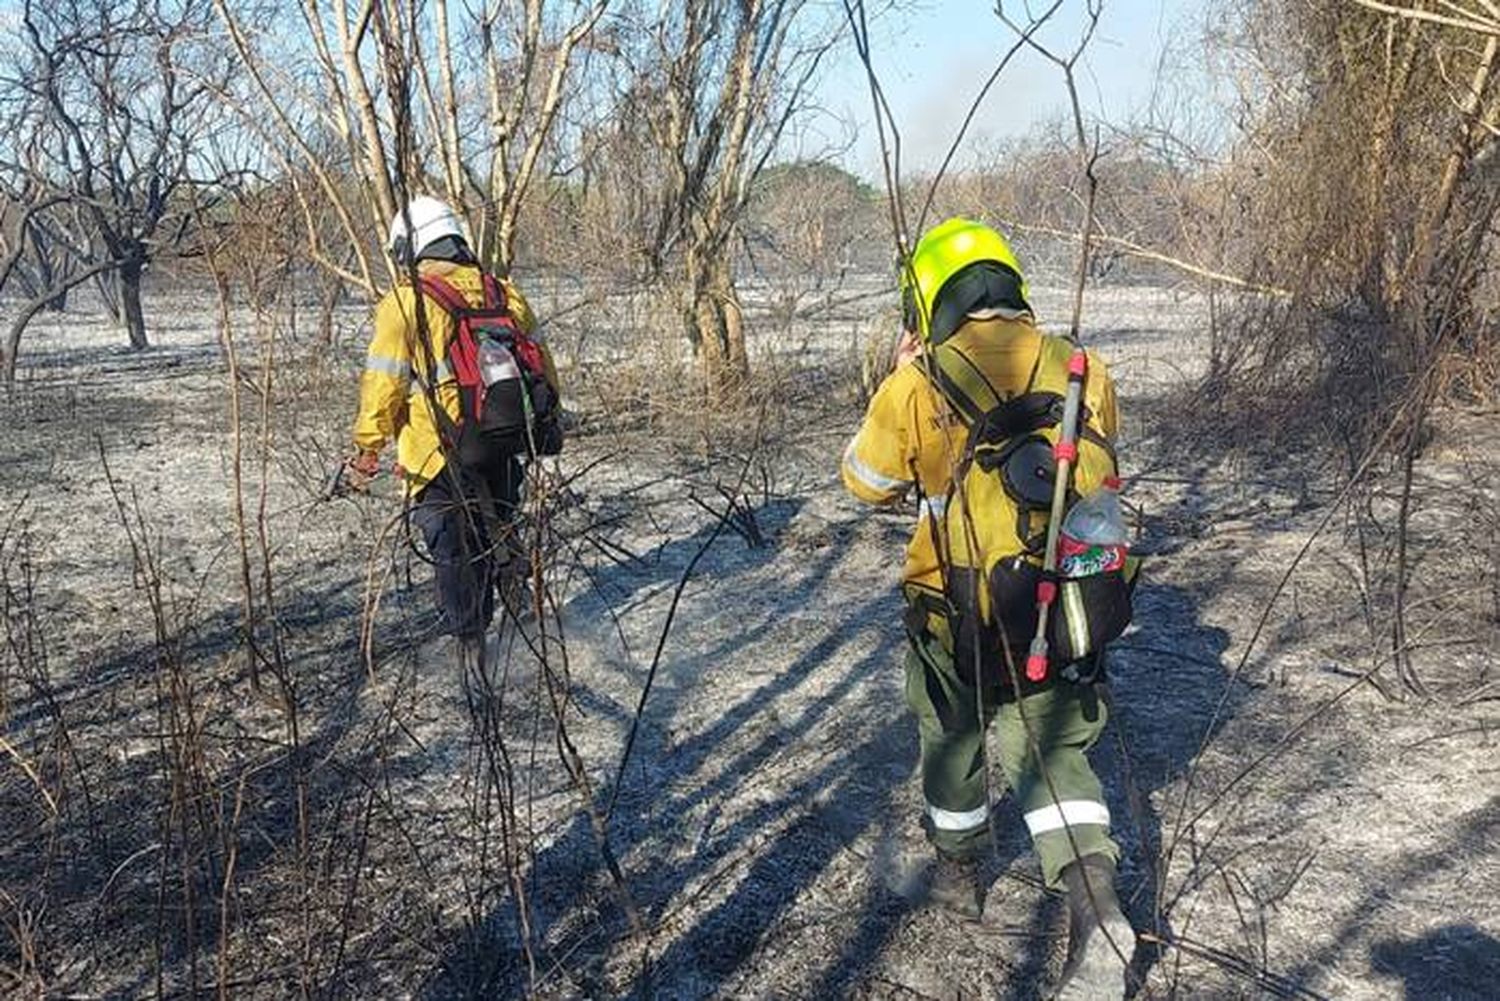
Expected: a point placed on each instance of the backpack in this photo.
(1005, 478)
(507, 408)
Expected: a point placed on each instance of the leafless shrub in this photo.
(25, 671)
(53, 800)
(1365, 186)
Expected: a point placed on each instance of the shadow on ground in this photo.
(1454, 963)
(719, 893)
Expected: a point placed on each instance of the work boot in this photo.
(955, 887)
(513, 582)
(1098, 936)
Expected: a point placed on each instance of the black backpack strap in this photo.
(1089, 434)
(949, 373)
(1017, 416)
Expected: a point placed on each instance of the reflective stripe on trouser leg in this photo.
(951, 820)
(1076, 814)
(951, 739)
(1068, 813)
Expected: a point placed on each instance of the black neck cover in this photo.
(981, 285)
(448, 248)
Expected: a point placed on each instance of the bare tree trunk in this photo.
(719, 383)
(732, 324)
(734, 335)
(328, 304)
(1400, 63)
(716, 327)
(46, 273)
(1423, 263)
(25, 232)
(130, 303)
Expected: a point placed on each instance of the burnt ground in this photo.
(354, 830)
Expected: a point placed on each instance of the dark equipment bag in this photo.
(507, 406)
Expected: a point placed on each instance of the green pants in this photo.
(1061, 800)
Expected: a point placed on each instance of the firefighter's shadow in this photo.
(725, 847)
(1459, 962)
(725, 818)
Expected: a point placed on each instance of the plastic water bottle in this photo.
(496, 362)
(1093, 538)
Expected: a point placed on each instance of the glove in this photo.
(360, 470)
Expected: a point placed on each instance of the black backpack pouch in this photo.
(546, 409)
(976, 644)
(511, 426)
(1089, 612)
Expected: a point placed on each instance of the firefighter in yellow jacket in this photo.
(965, 282)
(458, 507)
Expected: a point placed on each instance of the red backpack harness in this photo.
(507, 406)
(463, 347)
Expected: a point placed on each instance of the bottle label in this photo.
(1084, 559)
(496, 363)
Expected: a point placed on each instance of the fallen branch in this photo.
(1471, 21)
(1145, 253)
(1274, 984)
(25, 766)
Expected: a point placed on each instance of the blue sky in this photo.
(932, 57)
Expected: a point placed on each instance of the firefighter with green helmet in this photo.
(969, 421)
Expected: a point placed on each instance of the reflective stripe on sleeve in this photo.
(949, 820)
(869, 477)
(933, 507)
(1068, 813)
(396, 367)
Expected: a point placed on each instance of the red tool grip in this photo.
(1078, 365)
(1065, 451)
(1046, 592)
(1036, 668)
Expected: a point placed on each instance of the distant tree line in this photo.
(1351, 175)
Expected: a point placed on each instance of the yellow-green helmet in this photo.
(953, 246)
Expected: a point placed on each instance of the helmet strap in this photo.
(400, 250)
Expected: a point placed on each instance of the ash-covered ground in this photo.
(373, 824)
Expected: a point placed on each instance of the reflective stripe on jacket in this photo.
(911, 439)
(396, 387)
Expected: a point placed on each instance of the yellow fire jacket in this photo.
(912, 439)
(393, 403)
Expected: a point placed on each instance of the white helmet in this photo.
(431, 220)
